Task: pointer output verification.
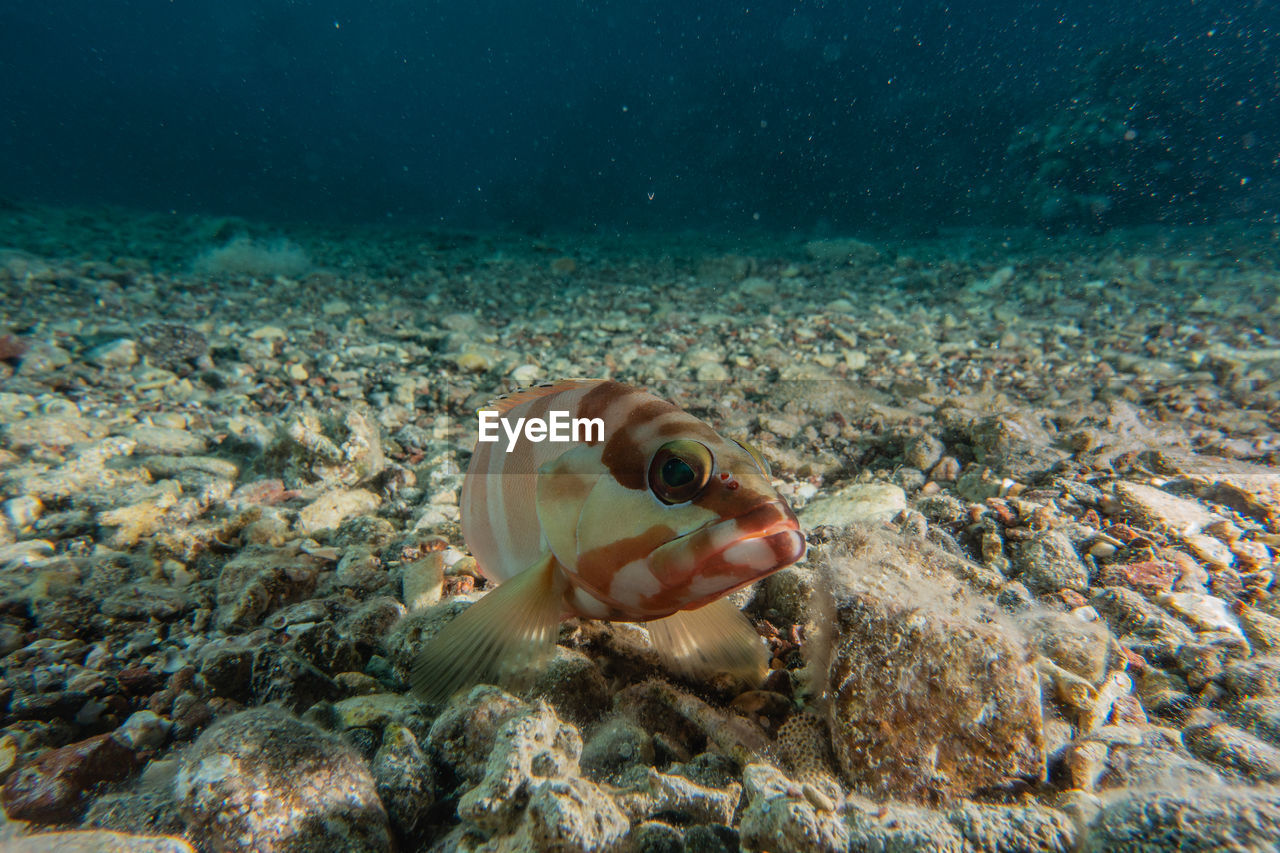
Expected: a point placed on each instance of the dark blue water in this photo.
(668, 115)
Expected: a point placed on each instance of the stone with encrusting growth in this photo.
(529, 794)
(925, 702)
(966, 828)
(404, 777)
(1150, 820)
(1049, 562)
(782, 814)
(263, 780)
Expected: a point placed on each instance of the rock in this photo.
(530, 791)
(1215, 553)
(52, 788)
(1156, 509)
(680, 797)
(42, 357)
(164, 441)
(1202, 612)
(786, 595)
(96, 841)
(114, 355)
(149, 808)
(1048, 562)
(616, 746)
(87, 468)
(1129, 614)
(967, 828)
(282, 676)
(369, 624)
(780, 816)
(264, 780)
(144, 730)
(994, 282)
(1016, 444)
(144, 600)
(377, 711)
(1149, 577)
(227, 670)
(173, 346)
(860, 503)
(975, 483)
(422, 581)
(404, 777)
(1253, 678)
(1149, 757)
(1230, 819)
(574, 685)
(1259, 716)
(926, 703)
(1229, 747)
(409, 635)
(923, 452)
(260, 579)
(1080, 647)
(330, 509)
(338, 451)
(842, 250)
(320, 644)
(51, 432)
(464, 733)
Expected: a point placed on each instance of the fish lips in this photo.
(725, 556)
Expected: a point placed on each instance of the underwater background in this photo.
(979, 303)
(570, 114)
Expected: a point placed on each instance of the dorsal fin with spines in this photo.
(506, 402)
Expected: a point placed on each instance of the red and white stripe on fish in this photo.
(657, 519)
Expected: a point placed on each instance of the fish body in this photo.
(653, 517)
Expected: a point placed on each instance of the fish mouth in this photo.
(724, 556)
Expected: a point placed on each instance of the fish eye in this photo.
(756, 456)
(679, 471)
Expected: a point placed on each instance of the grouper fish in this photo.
(654, 518)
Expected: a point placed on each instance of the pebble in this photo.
(1203, 612)
(858, 503)
(265, 780)
(526, 374)
(114, 355)
(1154, 508)
(52, 788)
(1048, 562)
(1214, 552)
(332, 508)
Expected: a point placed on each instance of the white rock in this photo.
(995, 281)
(1203, 612)
(119, 353)
(526, 374)
(264, 333)
(330, 509)
(1153, 506)
(866, 503)
(712, 373)
(23, 510)
(1213, 551)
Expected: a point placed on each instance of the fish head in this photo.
(693, 518)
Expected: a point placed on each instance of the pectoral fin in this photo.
(713, 639)
(499, 639)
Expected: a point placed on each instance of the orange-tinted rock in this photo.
(51, 789)
(927, 702)
(1149, 577)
